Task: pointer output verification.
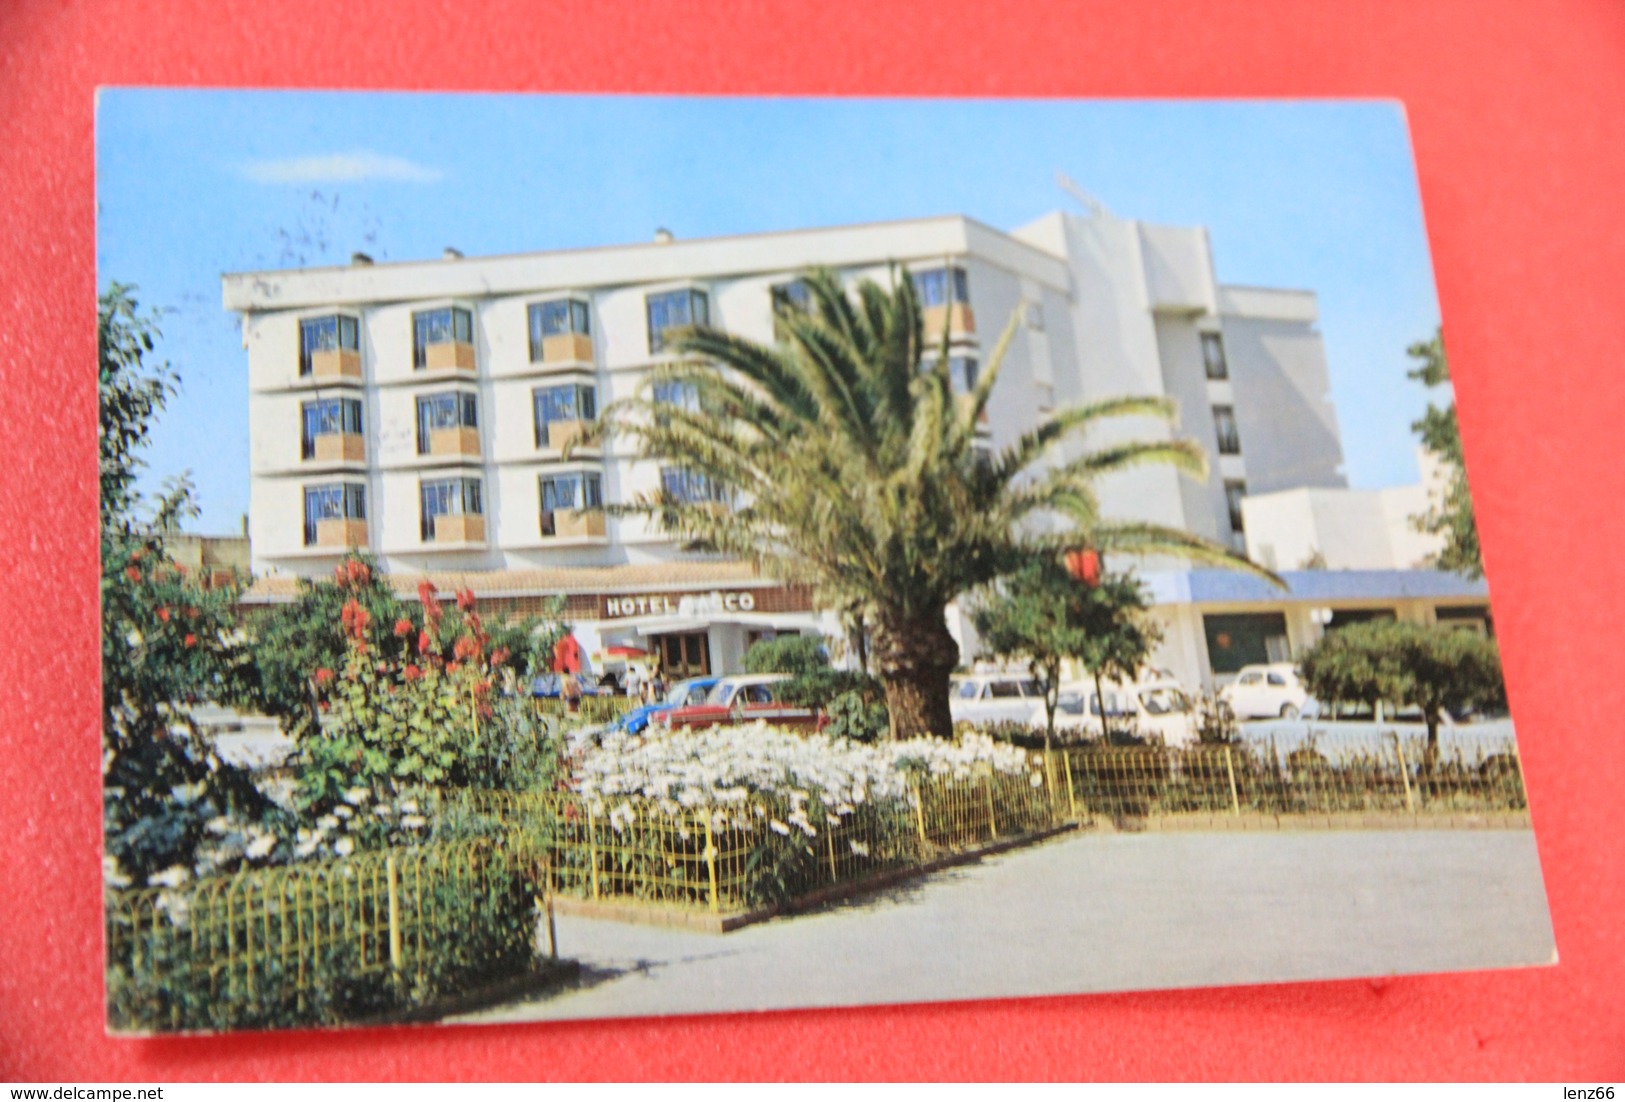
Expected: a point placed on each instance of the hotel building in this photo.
(420, 411)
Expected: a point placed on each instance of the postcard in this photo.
(586, 557)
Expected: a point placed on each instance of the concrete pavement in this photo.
(1093, 912)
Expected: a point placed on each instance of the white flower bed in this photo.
(723, 768)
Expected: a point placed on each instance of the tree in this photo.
(852, 700)
(843, 458)
(1045, 615)
(1438, 669)
(1451, 515)
(170, 806)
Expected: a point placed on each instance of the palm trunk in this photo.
(915, 657)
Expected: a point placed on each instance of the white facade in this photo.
(1344, 529)
(1104, 307)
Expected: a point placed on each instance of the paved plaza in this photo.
(1093, 912)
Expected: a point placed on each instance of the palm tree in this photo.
(843, 458)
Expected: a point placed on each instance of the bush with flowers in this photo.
(783, 790)
(170, 807)
(416, 705)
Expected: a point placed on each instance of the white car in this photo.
(1159, 706)
(996, 698)
(1266, 692)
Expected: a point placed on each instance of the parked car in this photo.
(744, 699)
(996, 698)
(551, 685)
(1266, 692)
(1158, 706)
(692, 691)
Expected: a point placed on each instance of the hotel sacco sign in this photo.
(716, 602)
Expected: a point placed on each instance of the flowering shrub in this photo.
(800, 805)
(171, 809)
(725, 768)
(412, 708)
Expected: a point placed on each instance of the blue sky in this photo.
(191, 183)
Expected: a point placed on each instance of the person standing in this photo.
(634, 682)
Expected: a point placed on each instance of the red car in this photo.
(745, 699)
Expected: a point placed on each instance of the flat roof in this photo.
(639, 263)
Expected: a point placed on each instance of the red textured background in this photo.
(1515, 110)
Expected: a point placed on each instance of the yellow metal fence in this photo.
(591, 709)
(335, 940)
(1388, 775)
(739, 857)
(316, 942)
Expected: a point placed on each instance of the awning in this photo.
(669, 625)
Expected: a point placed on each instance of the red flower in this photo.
(426, 592)
(403, 628)
(163, 614)
(411, 672)
(355, 619)
(1084, 566)
(359, 574)
(132, 573)
(452, 667)
(499, 656)
(466, 648)
(338, 575)
(323, 675)
(322, 704)
(465, 600)
(424, 642)
(190, 640)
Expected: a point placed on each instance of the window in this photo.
(449, 497)
(562, 403)
(1233, 493)
(335, 501)
(941, 286)
(326, 417)
(574, 491)
(683, 396)
(443, 326)
(329, 334)
(1213, 356)
(968, 690)
(675, 310)
(1224, 427)
(556, 319)
(450, 410)
(689, 487)
(963, 371)
(789, 298)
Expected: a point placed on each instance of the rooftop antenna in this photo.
(1094, 207)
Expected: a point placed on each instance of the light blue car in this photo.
(691, 691)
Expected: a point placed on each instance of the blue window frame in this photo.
(556, 318)
(449, 497)
(575, 490)
(675, 310)
(334, 501)
(690, 487)
(680, 395)
(941, 286)
(329, 334)
(325, 417)
(570, 402)
(449, 410)
(446, 325)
